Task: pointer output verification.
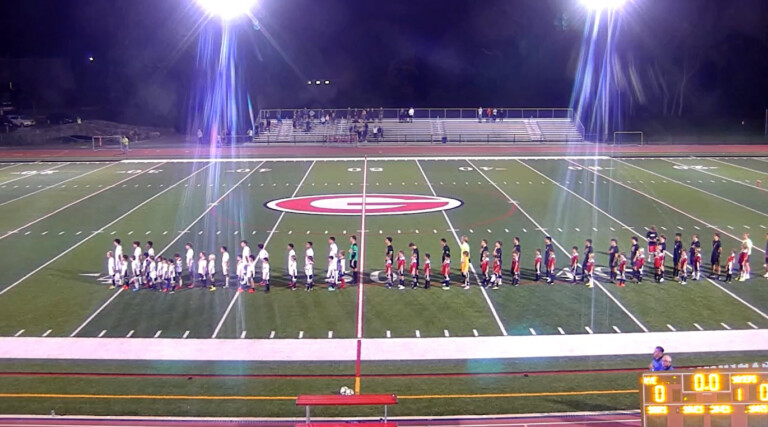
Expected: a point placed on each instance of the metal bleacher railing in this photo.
(424, 113)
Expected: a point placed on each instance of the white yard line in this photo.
(360, 159)
(76, 202)
(458, 241)
(738, 166)
(361, 269)
(56, 185)
(736, 181)
(656, 200)
(692, 187)
(33, 174)
(266, 242)
(567, 254)
(101, 230)
(13, 165)
(641, 236)
(172, 242)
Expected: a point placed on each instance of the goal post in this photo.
(629, 138)
(106, 142)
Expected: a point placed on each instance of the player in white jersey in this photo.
(265, 274)
(212, 271)
(124, 265)
(241, 267)
(246, 250)
(152, 269)
(202, 270)
(262, 253)
(190, 258)
(309, 271)
(136, 273)
(333, 249)
(171, 276)
(293, 270)
(150, 248)
(137, 249)
(177, 268)
(162, 272)
(332, 276)
(118, 250)
(225, 265)
(251, 273)
(341, 266)
(111, 268)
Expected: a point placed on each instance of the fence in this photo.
(419, 113)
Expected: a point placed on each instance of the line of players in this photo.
(144, 269)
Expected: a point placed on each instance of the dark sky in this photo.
(441, 53)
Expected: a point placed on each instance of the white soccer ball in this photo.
(346, 391)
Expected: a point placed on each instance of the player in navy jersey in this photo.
(695, 244)
(676, 253)
(633, 249)
(588, 250)
(662, 248)
(652, 237)
(446, 250)
(415, 251)
(547, 248)
(497, 256)
(517, 246)
(390, 249)
(613, 258)
(714, 258)
(483, 248)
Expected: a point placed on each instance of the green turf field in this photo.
(60, 219)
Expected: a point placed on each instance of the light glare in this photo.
(227, 9)
(598, 5)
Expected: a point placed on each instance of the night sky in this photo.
(424, 53)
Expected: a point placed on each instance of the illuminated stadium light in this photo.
(227, 9)
(327, 82)
(317, 82)
(598, 5)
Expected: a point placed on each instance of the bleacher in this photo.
(429, 126)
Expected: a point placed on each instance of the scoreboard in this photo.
(705, 398)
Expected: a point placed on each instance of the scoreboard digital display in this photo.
(704, 398)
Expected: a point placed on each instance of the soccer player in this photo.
(353, 249)
(516, 247)
(190, 257)
(414, 271)
(537, 266)
(137, 250)
(388, 270)
(153, 276)
(547, 248)
(662, 247)
(390, 249)
(415, 251)
(427, 270)
(639, 264)
(341, 267)
(676, 253)
(465, 247)
(695, 243)
(118, 250)
(496, 276)
(150, 248)
(401, 270)
(212, 271)
(697, 264)
(621, 270)
(652, 237)
(465, 269)
(743, 262)
(246, 250)
(613, 258)
(483, 248)
(262, 252)
(135, 272)
(729, 265)
(588, 250)
(124, 271)
(333, 248)
(551, 262)
(748, 243)
(575, 262)
(225, 265)
(446, 270)
(331, 273)
(446, 250)
(241, 269)
(485, 267)
(309, 272)
(633, 250)
(515, 268)
(293, 271)
(714, 258)
(658, 266)
(250, 272)
(497, 257)
(162, 273)
(178, 268)
(202, 270)
(589, 270)
(265, 274)
(682, 267)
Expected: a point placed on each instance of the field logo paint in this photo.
(375, 204)
(694, 167)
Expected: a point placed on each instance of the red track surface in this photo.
(600, 420)
(192, 151)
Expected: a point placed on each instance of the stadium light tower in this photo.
(600, 5)
(227, 9)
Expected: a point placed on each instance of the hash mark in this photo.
(445, 332)
(615, 328)
(157, 334)
(48, 332)
(418, 333)
(559, 329)
(752, 325)
(242, 335)
(272, 334)
(19, 333)
(130, 334)
(474, 331)
(532, 331)
(671, 328)
(588, 329)
(102, 333)
(186, 334)
(725, 326)
(698, 327)
(389, 334)
(301, 334)
(330, 334)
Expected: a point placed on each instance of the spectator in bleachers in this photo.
(381, 114)
(381, 133)
(501, 114)
(658, 354)
(365, 132)
(495, 113)
(479, 114)
(488, 114)
(410, 114)
(666, 363)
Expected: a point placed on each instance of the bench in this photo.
(341, 400)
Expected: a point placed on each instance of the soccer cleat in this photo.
(191, 286)
(212, 288)
(251, 290)
(331, 289)
(112, 287)
(400, 287)
(465, 287)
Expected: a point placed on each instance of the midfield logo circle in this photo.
(375, 204)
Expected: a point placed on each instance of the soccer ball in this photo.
(346, 391)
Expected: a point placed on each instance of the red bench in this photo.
(356, 400)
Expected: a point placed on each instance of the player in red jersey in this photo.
(446, 270)
(551, 262)
(496, 276)
(537, 266)
(515, 268)
(427, 270)
(575, 262)
(401, 270)
(414, 271)
(639, 263)
(589, 270)
(743, 261)
(683, 267)
(658, 266)
(388, 270)
(621, 270)
(485, 268)
(729, 265)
